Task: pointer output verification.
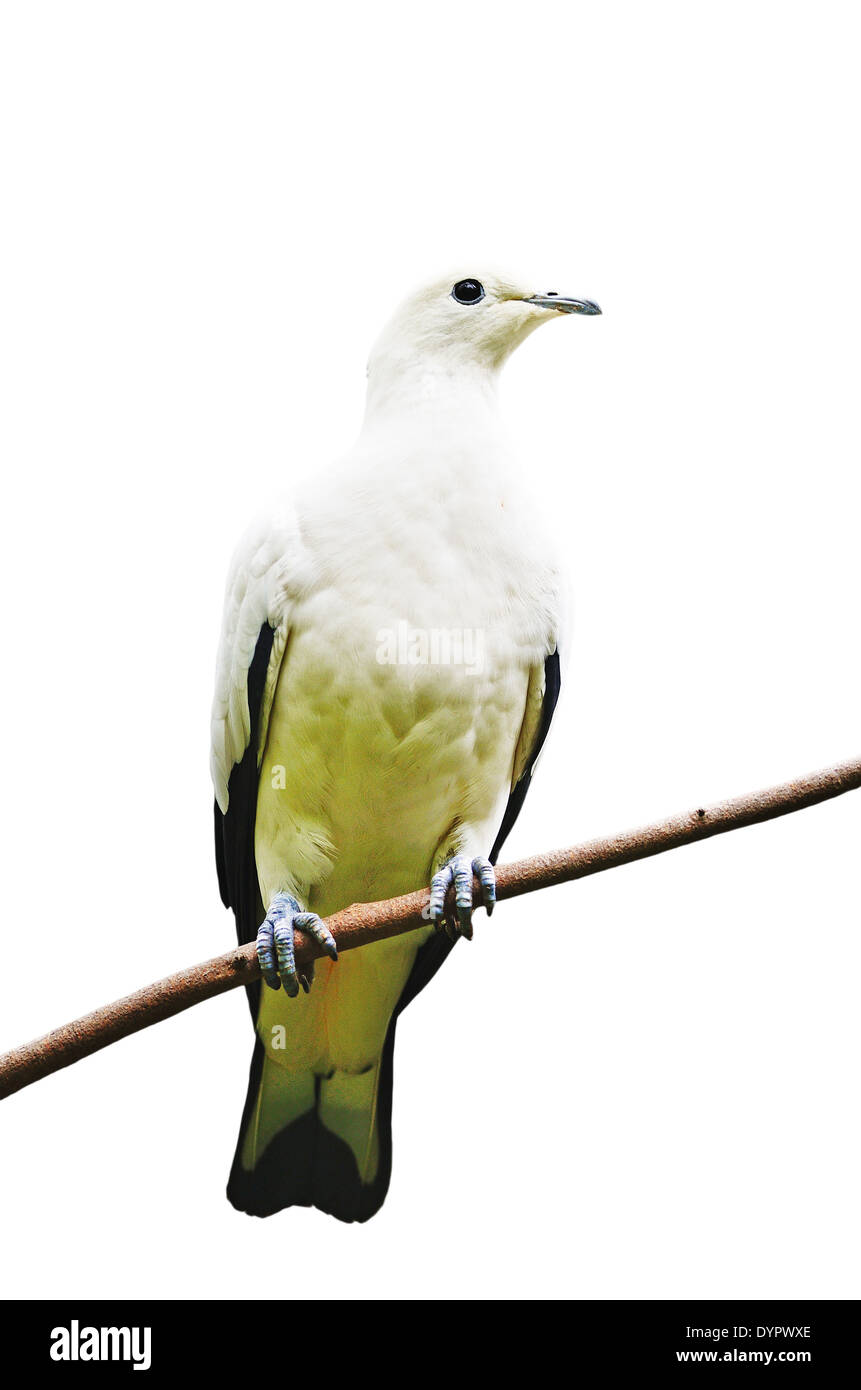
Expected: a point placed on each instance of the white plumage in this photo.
(371, 772)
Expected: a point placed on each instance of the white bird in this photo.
(388, 668)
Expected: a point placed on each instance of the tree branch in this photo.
(365, 922)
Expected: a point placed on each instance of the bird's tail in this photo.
(315, 1141)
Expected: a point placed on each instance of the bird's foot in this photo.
(275, 949)
(458, 872)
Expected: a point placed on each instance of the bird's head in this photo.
(466, 321)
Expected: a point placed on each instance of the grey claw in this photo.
(459, 871)
(276, 949)
(486, 875)
(462, 874)
(316, 927)
(439, 885)
(266, 954)
(286, 957)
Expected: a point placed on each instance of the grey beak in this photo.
(552, 300)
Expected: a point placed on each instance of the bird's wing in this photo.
(541, 698)
(254, 635)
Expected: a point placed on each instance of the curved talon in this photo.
(276, 949)
(486, 875)
(285, 955)
(462, 873)
(439, 887)
(316, 927)
(459, 872)
(266, 954)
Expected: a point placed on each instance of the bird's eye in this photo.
(468, 291)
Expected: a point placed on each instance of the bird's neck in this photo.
(441, 394)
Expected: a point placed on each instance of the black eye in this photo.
(468, 291)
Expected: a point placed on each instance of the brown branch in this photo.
(365, 922)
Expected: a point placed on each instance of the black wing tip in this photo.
(552, 686)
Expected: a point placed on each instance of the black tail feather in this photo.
(306, 1165)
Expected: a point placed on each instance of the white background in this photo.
(642, 1085)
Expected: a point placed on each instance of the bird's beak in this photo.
(562, 305)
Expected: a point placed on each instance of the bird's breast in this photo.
(403, 686)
